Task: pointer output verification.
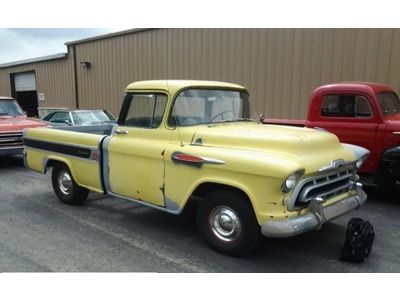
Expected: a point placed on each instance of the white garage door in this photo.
(25, 82)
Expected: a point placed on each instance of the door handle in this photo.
(396, 133)
(121, 131)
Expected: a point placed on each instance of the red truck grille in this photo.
(11, 139)
(324, 185)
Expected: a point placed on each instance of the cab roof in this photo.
(358, 86)
(175, 85)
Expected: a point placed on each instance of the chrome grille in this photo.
(11, 139)
(325, 185)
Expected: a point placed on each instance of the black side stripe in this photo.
(65, 149)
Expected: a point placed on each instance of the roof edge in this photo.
(107, 35)
(34, 60)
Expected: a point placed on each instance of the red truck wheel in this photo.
(227, 221)
(65, 186)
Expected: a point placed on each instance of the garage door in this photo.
(25, 82)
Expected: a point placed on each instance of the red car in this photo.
(360, 113)
(13, 121)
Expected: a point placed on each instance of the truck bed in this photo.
(79, 147)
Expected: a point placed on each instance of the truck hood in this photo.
(19, 123)
(314, 148)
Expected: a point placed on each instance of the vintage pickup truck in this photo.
(359, 113)
(12, 124)
(180, 142)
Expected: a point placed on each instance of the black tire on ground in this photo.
(65, 187)
(226, 220)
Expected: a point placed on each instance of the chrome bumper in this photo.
(11, 151)
(314, 219)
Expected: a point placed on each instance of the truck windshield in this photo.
(10, 108)
(389, 103)
(205, 106)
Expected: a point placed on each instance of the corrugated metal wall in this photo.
(53, 78)
(279, 66)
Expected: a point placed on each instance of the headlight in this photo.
(291, 181)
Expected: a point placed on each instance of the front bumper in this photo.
(11, 151)
(314, 219)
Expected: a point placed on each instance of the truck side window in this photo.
(389, 103)
(347, 106)
(145, 110)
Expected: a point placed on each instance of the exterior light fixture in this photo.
(85, 64)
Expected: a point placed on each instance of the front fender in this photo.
(257, 174)
(392, 154)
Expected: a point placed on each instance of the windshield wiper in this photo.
(236, 120)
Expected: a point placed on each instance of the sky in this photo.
(48, 27)
(25, 43)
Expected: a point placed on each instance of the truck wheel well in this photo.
(51, 163)
(203, 189)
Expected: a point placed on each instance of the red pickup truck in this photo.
(13, 121)
(360, 113)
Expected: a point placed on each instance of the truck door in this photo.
(351, 117)
(135, 151)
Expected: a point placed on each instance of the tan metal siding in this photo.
(280, 67)
(53, 78)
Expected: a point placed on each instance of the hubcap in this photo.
(65, 182)
(224, 223)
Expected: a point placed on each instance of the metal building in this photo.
(280, 67)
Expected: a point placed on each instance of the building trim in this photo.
(108, 35)
(34, 60)
(75, 77)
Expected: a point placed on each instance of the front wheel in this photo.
(65, 187)
(226, 220)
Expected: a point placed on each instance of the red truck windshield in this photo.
(389, 103)
(10, 108)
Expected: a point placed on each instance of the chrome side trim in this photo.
(195, 160)
(173, 207)
(93, 161)
(105, 166)
(213, 161)
(62, 144)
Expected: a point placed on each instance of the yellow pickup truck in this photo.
(180, 142)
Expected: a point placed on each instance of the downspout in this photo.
(75, 78)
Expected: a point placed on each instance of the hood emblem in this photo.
(335, 164)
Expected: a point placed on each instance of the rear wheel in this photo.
(226, 220)
(65, 187)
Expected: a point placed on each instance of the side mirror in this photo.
(262, 118)
(68, 122)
